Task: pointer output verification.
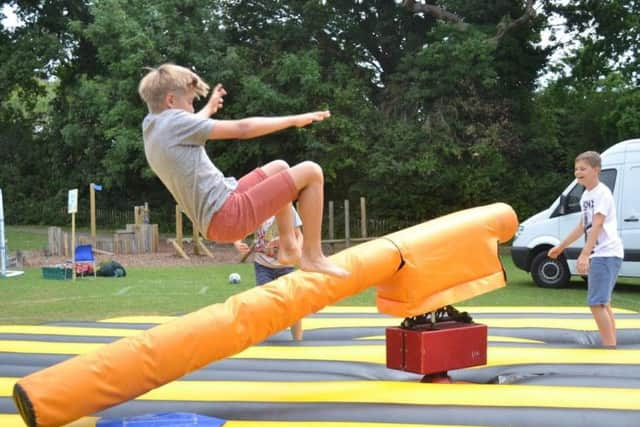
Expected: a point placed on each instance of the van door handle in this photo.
(631, 219)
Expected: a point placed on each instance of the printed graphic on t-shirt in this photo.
(600, 200)
(588, 207)
(266, 233)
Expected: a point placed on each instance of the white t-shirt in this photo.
(267, 231)
(600, 200)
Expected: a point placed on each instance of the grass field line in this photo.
(123, 291)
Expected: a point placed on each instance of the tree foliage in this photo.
(435, 106)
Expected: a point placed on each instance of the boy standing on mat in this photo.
(602, 254)
(222, 208)
(265, 259)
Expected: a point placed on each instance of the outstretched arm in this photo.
(253, 127)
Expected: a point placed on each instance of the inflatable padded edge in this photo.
(25, 407)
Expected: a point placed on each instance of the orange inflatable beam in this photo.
(419, 269)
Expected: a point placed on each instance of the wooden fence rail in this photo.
(364, 228)
(340, 226)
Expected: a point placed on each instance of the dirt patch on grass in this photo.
(166, 256)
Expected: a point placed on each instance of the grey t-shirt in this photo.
(174, 146)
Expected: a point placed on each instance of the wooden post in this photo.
(146, 219)
(331, 229)
(179, 225)
(199, 248)
(73, 245)
(196, 241)
(65, 244)
(347, 229)
(203, 250)
(177, 242)
(363, 217)
(137, 215)
(56, 244)
(72, 208)
(92, 208)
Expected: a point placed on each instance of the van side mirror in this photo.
(562, 207)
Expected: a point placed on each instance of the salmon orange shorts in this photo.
(257, 198)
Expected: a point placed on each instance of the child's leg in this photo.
(309, 180)
(603, 272)
(296, 328)
(258, 175)
(274, 167)
(296, 331)
(252, 202)
(605, 323)
(246, 210)
(289, 251)
(611, 316)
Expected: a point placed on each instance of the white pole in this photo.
(3, 255)
(3, 248)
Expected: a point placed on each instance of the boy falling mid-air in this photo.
(222, 208)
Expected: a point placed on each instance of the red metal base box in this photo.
(443, 347)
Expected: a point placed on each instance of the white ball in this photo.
(234, 278)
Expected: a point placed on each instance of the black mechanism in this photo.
(428, 320)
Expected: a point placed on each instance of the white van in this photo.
(535, 236)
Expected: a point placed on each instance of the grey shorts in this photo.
(603, 272)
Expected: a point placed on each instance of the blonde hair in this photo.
(169, 78)
(591, 158)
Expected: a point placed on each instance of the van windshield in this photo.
(572, 201)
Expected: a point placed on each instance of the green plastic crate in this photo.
(57, 273)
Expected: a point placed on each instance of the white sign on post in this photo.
(73, 201)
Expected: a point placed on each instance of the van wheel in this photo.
(550, 273)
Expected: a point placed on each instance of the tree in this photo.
(594, 102)
(431, 102)
(606, 36)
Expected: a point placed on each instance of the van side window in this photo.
(608, 178)
(573, 199)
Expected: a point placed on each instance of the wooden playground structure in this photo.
(143, 237)
(139, 237)
(199, 248)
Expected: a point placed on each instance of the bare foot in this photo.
(289, 255)
(322, 265)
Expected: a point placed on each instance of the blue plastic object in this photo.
(84, 253)
(164, 419)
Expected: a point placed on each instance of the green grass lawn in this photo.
(27, 238)
(31, 299)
